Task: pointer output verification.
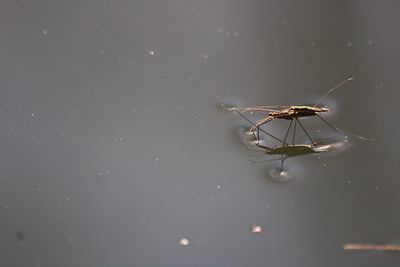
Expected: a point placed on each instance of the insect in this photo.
(292, 113)
(285, 151)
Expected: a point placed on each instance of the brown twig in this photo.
(371, 247)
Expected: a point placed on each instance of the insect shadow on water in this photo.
(285, 151)
(291, 113)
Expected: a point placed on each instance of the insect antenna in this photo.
(331, 90)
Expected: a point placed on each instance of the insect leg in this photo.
(284, 143)
(287, 132)
(258, 128)
(294, 132)
(282, 161)
(330, 125)
(309, 137)
(344, 133)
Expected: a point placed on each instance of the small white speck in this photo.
(67, 198)
(324, 165)
(33, 115)
(99, 174)
(220, 30)
(218, 187)
(370, 42)
(349, 44)
(222, 170)
(376, 187)
(349, 181)
(44, 31)
(157, 159)
(184, 242)
(256, 229)
(205, 56)
(133, 110)
(151, 52)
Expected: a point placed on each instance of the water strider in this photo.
(292, 113)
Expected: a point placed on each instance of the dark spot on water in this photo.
(20, 235)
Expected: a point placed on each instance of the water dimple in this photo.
(279, 175)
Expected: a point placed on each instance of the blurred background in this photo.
(114, 153)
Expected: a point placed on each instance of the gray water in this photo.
(113, 148)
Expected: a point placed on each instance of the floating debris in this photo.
(371, 247)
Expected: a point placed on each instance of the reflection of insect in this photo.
(285, 151)
(288, 113)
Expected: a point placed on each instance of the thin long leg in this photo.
(287, 132)
(282, 161)
(294, 132)
(330, 125)
(342, 132)
(284, 142)
(258, 128)
(309, 137)
(257, 125)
